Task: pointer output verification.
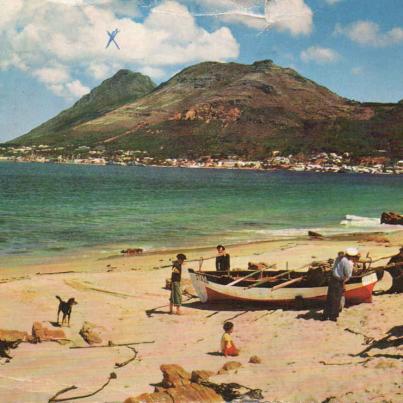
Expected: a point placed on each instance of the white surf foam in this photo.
(359, 221)
(350, 224)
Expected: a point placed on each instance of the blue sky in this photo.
(53, 51)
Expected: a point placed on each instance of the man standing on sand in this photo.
(396, 271)
(341, 273)
(222, 261)
(176, 292)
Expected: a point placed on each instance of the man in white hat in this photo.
(341, 273)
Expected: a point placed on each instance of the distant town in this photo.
(321, 162)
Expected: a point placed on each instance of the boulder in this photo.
(255, 359)
(11, 339)
(177, 116)
(377, 239)
(89, 334)
(42, 333)
(201, 375)
(315, 235)
(159, 389)
(160, 397)
(191, 391)
(229, 366)
(391, 218)
(194, 393)
(181, 394)
(191, 114)
(132, 251)
(174, 375)
(12, 336)
(233, 114)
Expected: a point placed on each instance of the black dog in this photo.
(65, 308)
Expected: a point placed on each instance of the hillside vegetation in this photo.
(224, 109)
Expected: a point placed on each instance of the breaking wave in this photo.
(358, 221)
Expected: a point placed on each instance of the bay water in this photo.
(51, 209)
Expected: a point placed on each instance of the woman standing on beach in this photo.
(176, 292)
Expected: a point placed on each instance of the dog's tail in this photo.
(59, 298)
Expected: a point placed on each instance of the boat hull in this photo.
(209, 291)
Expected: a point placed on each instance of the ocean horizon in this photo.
(51, 209)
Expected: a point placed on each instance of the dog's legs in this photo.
(68, 319)
(58, 314)
(64, 318)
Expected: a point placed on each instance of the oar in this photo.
(293, 281)
(188, 261)
(243, 278)
(388, 266)
(382, 258)
(266, 280)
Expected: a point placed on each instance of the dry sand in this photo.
(303, 359)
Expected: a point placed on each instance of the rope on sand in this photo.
(54, 398)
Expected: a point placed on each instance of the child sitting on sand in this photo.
(227, 345)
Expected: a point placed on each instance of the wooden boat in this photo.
(277, 288)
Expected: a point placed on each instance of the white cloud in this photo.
(153, 72)
(319, 55)
(294, 16)
(368, 33)
(224, 5)
(74, 39)
(59, 89)
(77, 89)
(58, 80)
(70, 90)
(52, 75)
(99, 70)
(9, 11)
(332, 2)
(128, 8)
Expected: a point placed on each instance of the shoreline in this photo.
(356, 169)
(105, 251)
(160, 258)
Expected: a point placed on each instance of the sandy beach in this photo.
(303, 359)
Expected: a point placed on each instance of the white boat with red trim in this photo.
(277, 288)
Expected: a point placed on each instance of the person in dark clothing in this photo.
(396, 271)
(176, 292)
(222, 261)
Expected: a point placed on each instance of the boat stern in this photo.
(362, 293)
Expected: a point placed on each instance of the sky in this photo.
(52, 52)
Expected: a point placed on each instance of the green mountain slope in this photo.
(231, 108)
(124, 87)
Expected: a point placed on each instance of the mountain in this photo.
(231, 108)
(124, 87)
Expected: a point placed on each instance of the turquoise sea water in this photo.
(56, 209)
